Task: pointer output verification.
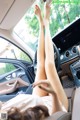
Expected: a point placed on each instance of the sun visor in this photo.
(4, 8)
(11, 11)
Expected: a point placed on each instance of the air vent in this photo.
(74, 49)
(67, 53)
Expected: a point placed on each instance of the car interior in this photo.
(21, 71)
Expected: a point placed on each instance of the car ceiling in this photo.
(11, 11)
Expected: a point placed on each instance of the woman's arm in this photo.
(55, 100)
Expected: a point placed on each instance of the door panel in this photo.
(14, 63)
(10, 69)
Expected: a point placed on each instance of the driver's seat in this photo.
(60, 116)
(74, 115)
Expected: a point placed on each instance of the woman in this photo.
(45, 64)
(48, 93)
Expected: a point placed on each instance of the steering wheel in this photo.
(56, 57)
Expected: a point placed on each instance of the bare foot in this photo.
(47, 11)
(38, 12)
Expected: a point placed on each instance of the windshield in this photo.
(63, 12)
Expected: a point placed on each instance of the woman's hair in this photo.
(38, 112)
(14, 114)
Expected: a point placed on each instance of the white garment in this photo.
(24, 101)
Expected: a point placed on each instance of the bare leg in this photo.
(40, 75)
(51, 72)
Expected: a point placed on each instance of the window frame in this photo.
(17, 47)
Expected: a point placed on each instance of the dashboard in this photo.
(69, 54)
(68, 42)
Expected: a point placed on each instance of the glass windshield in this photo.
(63, 12)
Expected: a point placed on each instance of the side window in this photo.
(8, 50)
(9, 71)
(6, 67)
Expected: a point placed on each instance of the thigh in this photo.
(40, 75)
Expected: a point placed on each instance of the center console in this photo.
(75, 70)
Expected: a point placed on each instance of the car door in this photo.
(14, 63)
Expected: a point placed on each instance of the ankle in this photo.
(41, 21)
(39, 17)
(46, 22)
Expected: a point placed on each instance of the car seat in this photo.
(74, 114)
(60, 116)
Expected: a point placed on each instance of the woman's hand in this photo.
(44, 85)
(58, 105)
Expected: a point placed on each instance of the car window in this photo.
(63, 12)
(8, 50)
(6, 67)
(11, 70)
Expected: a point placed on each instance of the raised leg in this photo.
(40, 74)
(51, 72)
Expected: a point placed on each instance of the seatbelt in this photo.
(76, 105)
